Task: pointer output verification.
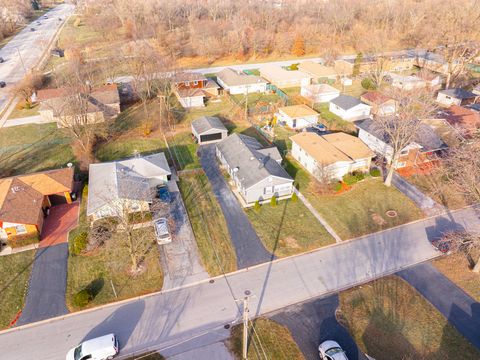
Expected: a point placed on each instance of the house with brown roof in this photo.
(381, 104)
(465, 120)
(25, 200)
(297, 116)
(191, 88)
(331, 155)
(58, 104)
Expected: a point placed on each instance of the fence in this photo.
(284, 97)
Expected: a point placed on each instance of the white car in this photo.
(162, 232)
(101, 348)
(330, 350)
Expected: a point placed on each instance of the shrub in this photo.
(82, 298)
(349, 179)
(337, 186)
(368, 84)
(294, 197)
(77, 22)
(257, 206)
(273, 201)
(79, 243)
(27, 105)
(294, 67)
(359, 175)
(375, 172)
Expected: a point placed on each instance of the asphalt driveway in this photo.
(47, 285)
(458, 307)
(313, 322)
(248, 247)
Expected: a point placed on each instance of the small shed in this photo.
(208, 129)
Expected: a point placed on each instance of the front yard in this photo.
(209, 226)
(288, 228)
(388, 316)
(15, 270)
(360, 210)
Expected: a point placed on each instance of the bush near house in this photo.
(368, 84)
(375, 172)
(23, 240)
(353, 178)
(79, 243)
(273, 201)
(82, 298)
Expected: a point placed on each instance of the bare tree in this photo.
(401, 130)
(463, 242)
(27, 86)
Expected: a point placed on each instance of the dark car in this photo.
(319, 129)
(163, 194)
(2, 60)
(32, 29)
(57, 52)
(2, 84)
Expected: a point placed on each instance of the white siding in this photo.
(377, 145)
(318, 97)
(194, 101)
(446, 100)
(361, 111)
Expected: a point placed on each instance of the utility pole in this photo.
(246, 103)
(245, 328)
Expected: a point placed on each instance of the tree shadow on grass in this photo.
(95, 286)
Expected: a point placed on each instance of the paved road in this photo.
(25, 49)
(47, 286)
(313, 322)
(459, 308)
(248, 247)
(180, 259)
(194, 316)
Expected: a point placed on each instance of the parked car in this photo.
(2, 60)
(57, 52)
(32, 29)
(161, 231)
(163, 194)
(101, 348)
(59, 19)
(320, 129)
(2, 84)
(330, 350)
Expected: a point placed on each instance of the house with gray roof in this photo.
(256, 170)
(349, 108)
(423, 148)
(238, 82)
(208, 129)
(449, 97)
(114, 186)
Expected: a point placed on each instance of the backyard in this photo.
(15, 270)
(268, 340)
(104, 271)
(288, 228)
(360, 210)
(332, 121)
(388, 316)
(208, 223)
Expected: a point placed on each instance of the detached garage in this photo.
(208, 130)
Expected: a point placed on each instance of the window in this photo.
(448, 97)
(400, 164)
(21, 229)
(195, 83)
(268, 190)
(187, 83)
(404, 152)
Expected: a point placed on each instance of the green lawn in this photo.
(288, 228)
(332, 121)
(15, 270)
(359, 211)
(388, 316)
(208, 224)
(256, 98)
(277, 342)
(20, 113)
(35, 147)
(355, 90)
(184, 149)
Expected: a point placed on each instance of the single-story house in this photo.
(390, 62)
(319, 93)
(465, 120)
(114, 187)
(298, 116)
(432, 80)
(282, 78)
(208, 129)
(406, 82)
(318, 72)
(256, 171)
(101, 103)
(331, 155)
(238, 82)
(381, 104)
(457, 96)
(349, 108)
(25, 199)
(426, 143)
(192, 88)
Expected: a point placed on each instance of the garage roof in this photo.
(207, 123)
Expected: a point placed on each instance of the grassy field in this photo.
(107, 265)
(208, 224)
(20, 113)
(288, 228)
(15, 270)
(456, 268)
(389, 317)
(35, 147)
(332, 121)
(276, 340)
(359, 211)
(255, 98)
(184, 150)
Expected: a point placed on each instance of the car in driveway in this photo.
(32, 29)
(3, 84)
(164, 195)
(2, 60)
(330, 350)
(319, 129)
(162, 231)
(101, 348)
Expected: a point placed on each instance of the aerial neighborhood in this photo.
(239, 180)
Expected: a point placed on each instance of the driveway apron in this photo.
(48, 282)
(248, 247)
(458, 307)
